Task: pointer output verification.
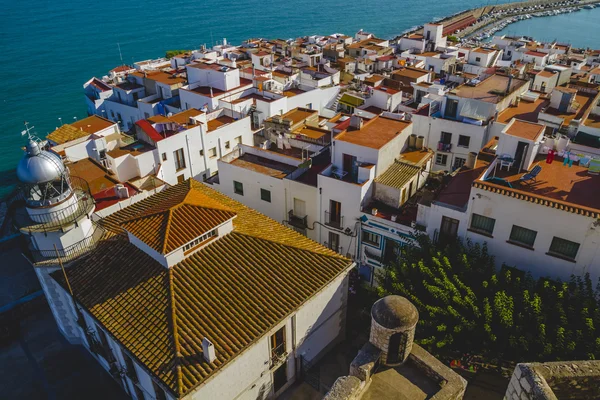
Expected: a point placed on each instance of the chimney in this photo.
(471, 160)
(356, 122)
(208, 350)
(510, 78)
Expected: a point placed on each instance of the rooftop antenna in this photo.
(28, 130)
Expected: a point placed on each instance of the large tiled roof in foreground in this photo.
(233, 291)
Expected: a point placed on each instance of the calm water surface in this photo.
(51, 48)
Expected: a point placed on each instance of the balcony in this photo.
(56, 220)
(278, 356)
(66, 254)
(444, 146)
(297, 221)
(334, 220)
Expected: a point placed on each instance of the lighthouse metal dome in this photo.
(39, 166)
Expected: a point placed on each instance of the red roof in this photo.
(536, 54)
(108, 197)
(149, 129)
(386, 58)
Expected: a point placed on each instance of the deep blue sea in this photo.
(50, 48)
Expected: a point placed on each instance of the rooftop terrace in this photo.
(569, 188)
(262, 165)
(489, 90)
(375, 133)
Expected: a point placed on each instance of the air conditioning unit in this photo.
(121, 191)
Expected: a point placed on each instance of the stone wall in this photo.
(452, 385)
(380, 338)
(570, 380)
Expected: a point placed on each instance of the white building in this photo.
(189, 333)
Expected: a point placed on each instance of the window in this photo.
(523, 236)
(334, 242)
(227, 145)
(446, 138)
(199, 240)
(201, 153)
(212, 153)
(138, 393)
(563, 248)
(130, 368)
(107, 351)
(238, 140)
(371, 238)
(179, 159)
(477, 59)
(482, 224)
(164, 156)
(463, 141)
(238, 188)
(180, 178)
(451, 108)
(265, 195)
(441, 159)
(159, 392)
(459, 162)
(334, 216)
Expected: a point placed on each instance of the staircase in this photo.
(334, 106)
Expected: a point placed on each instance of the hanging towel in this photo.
(550, 157)
(570, 163)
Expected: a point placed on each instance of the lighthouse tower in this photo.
(54, 213)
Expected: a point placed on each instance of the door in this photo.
(335, 213)
(521, 154)
(279, 377)
(391, 251)
(334, 241)
(397, 342)
(448, 230)
(350, 167)
(299, 208)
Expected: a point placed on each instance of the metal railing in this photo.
(444, 146)
(297, 221)
(278, 355)
(69, 253)
(334, 220)
(372, 255)
(55, 220)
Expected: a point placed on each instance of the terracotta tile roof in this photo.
(398, 175)
(232, 291)
(168, 226)
(66, 133)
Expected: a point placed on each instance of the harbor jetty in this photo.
(479, 23)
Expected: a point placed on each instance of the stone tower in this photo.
(393, 323)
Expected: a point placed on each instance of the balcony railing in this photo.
(55, 220)
(372, 255)
(278, 355)
(297, 221)
(334, 220)
(331, 246)
(68, 253)
(444, 146)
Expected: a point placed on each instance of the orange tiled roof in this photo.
(233, 291)
(167, 227)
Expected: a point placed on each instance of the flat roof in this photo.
(571, 186)
(95, 175)
(488, 90)
(92, 124)
(262, 165)
(135, 149)
(593, 121)
(526, 130)
(219, 122)
(583, 99)
(312, 132)
(206, 90)
(411, 72)
(525, 110)
(374, 133)
(161, 77)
